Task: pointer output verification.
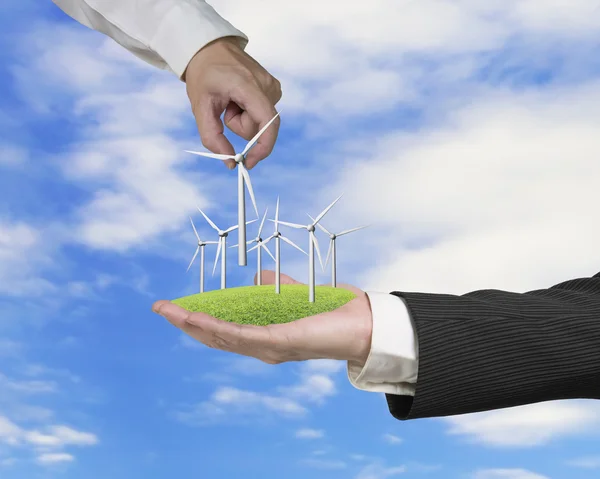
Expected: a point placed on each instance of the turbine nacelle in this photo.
(239, 158)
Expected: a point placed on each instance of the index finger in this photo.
(261, 110)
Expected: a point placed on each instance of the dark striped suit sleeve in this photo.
(492, 349)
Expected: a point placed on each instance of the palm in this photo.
(342, 334)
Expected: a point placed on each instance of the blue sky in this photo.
(470, 144)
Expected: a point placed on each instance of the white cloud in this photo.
(22, 252)
(589, 462)
(238, 405)
(323, 366)
(442, 196)
(326, 464)
(506, 474)
(185, 341)
(310, 433)
(314, 388)
(527, 426)
(248, 399)
(392, 439)
(11, 155)
(51, 458)
(314, 385)
(28, 386)
(57, 436)
(10, 348)
(377, 470)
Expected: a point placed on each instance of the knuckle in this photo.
(208, 142)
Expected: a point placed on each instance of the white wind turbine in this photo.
(312, 244)
(243, 179)
(260, 244)
(278, 237)
(222, 246)
(332, 251)
(200, 249)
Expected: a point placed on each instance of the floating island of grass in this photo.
(261, 306)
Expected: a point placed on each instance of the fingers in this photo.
(248, 340)
(210, 127)
(260, 109)
(238, 121)
(268, 277)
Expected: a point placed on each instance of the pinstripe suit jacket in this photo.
(492, 349)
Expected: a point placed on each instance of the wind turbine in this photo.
(222, 246)
(243, 179)
(260, 244)
(332, 251)
(200, 249)
(312, 244)
(278, 237)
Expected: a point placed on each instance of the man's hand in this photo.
(343, 334)
(222, 77)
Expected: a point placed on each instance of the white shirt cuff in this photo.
(392, 365)
(186, 29)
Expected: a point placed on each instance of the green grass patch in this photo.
(260, 305)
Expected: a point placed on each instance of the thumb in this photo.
(268, 277)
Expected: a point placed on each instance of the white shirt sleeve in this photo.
(392, 364)
(164, 33)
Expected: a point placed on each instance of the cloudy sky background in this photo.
(465, 132)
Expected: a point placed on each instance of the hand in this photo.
(343, 334)
(222, 77)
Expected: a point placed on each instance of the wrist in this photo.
(228, 43)
(363, 335)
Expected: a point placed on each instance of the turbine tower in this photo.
(260, 244)
(312, 244)
(278, 237)
(243, 181)
(200, 249)
(331, 250)
(222, 246)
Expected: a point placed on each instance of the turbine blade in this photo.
(191, 262)
(215, 227)
(246, 175)
(324, 212)
(262, 223)
(319, 225)
(292, 225)
(277, 214)
(211, 155)
(291, 243)
(267, 250)
(217, 257)
(352, 230)
(235, 227)
(195, 229)
(211, 242)
(313, 238)
(234, 246)
(257, 136)
(269, 239)
(329, 251)
(254, 247)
